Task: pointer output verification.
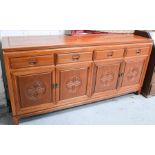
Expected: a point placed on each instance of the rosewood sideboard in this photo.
(49, 73)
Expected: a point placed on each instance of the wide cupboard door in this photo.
(133, 71)
(106, 75)
(33, 89)
(73, 82)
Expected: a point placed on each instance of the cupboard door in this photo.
(73, 82)
(33, 89)
(133, 71)
(106, 75)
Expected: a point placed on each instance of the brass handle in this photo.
(110, 54)
(138, 51)
(32, 61)
(75, 57)
(121, 74)
(55, 85)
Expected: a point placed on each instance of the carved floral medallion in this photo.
(74, 83)
(107, 78)
(35, 90)
(132, 74)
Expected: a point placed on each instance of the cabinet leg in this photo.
(15, 120)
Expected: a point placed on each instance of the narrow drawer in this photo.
(74, 57)
(108, 54)
(23, 62)
(137, 51)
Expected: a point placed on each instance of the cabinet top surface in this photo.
(60, 41)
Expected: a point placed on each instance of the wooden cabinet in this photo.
(45, 76)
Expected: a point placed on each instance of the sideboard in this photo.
(49, 73)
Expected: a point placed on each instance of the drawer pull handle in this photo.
(110, 54)
(138, 51)
(121, 75)
(32, 61)
(75, 57)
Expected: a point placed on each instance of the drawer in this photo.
(108, 54)
(33, 61)
(137, 51)
(74, 57)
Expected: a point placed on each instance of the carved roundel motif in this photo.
(132, 74)
(35, 90)
(74, 83)
(107, 78)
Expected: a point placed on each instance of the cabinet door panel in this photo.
(73, 81)
(106, 76)
(133, 71)
(33, 89)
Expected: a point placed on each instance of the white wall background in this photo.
(21, 33)
(31, 32)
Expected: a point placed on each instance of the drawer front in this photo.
(137, 51)
(74, 57)
(108, 54)
(34, 61)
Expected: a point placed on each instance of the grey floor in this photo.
(127, 109)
